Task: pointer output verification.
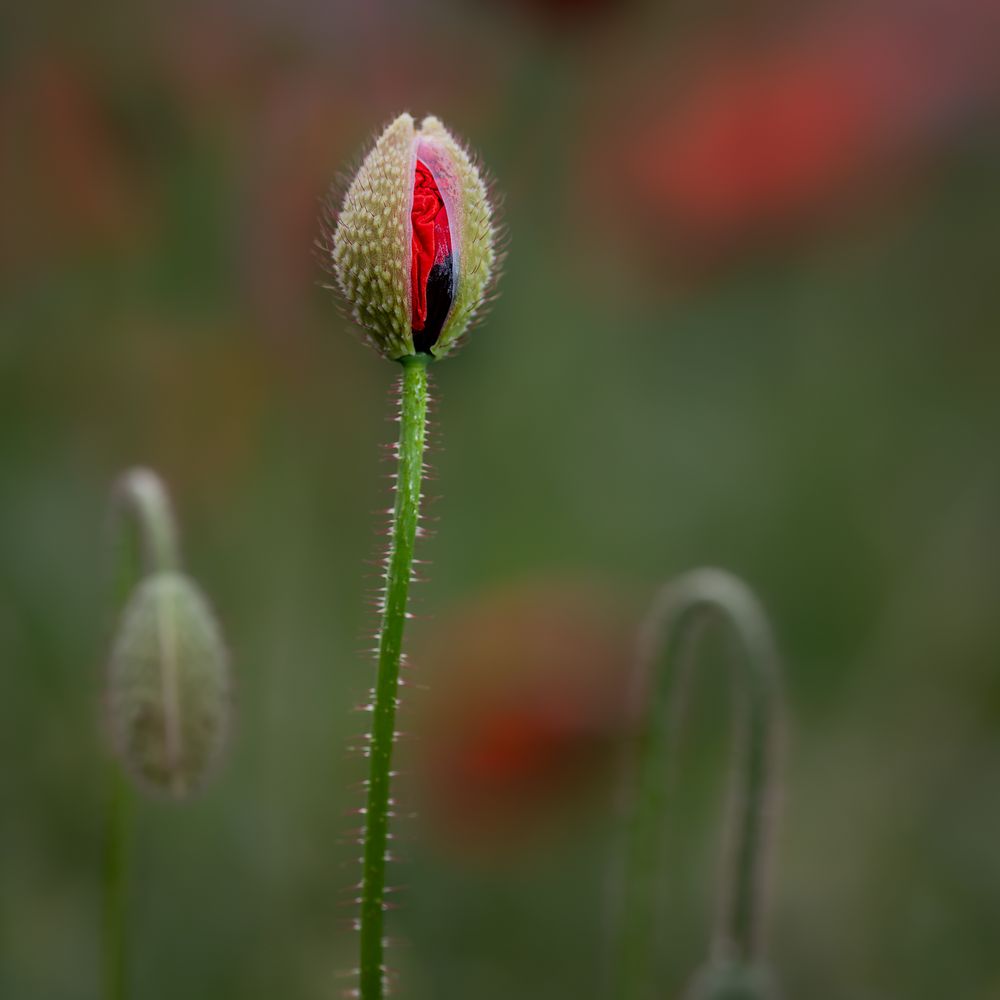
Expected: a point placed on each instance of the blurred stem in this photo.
(399, 567)
(667, 636)
(144, 519)
(116, 883)
(150, 544)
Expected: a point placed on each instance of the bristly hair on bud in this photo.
(168, 695)
(413, 244)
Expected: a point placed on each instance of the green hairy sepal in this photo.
(371, 242)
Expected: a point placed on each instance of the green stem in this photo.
(399, 567)
(148, 543)
(667, 636)
(116, 884)
(141, 498)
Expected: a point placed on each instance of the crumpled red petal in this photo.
(431, 242)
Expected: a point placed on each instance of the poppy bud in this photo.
(168, 686)
(413, 248)
(724, 980)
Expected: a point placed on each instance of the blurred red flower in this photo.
(525, 710)
(759, 136)
(66, 185)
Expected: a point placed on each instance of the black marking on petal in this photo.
(440, 292)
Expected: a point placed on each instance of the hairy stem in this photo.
(399, 567)
(668, 634)
(148, 543)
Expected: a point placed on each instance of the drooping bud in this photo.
(168, 697)
(722, 980)
(413, 247)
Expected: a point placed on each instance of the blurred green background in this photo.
(748, 318)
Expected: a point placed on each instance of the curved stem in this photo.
(399, 567)
(140, 495)
(148, 544)
(666, 636)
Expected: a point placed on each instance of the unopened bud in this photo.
(732, 981)
(168, 699)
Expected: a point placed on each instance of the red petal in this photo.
(431, 242)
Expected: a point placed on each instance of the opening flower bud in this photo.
(413, 246)
(168, 698)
